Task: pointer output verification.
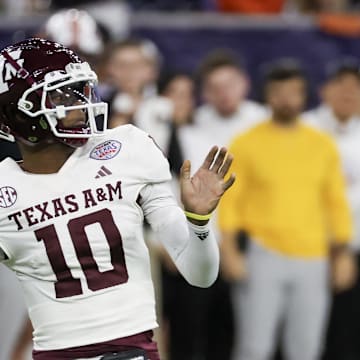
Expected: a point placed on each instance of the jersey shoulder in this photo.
(112, 141)
(127, 133)
(8, 167)
(139, 149)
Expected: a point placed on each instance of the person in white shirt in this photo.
(226, 111)
(339, 116)
(131, 71)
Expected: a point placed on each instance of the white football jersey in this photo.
(75, 241)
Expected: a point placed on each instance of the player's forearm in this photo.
(193, 248)
(199, 261)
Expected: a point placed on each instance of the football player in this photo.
(71, 213)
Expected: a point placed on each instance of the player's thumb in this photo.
(185, 170)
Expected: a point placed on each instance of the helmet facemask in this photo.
(67, 94)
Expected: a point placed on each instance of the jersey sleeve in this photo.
(154, 166)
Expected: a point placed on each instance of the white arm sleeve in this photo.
(193, 249)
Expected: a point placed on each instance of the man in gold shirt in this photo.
(289, 198)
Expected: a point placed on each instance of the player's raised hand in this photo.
(201, 193)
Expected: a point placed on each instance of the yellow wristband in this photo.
(194, 216)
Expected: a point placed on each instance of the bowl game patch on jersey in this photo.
(106, 150)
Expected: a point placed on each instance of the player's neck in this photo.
(44, 159)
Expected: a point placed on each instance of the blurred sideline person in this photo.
(179, 89)
(226, 111)
(338, 115)
(132, 70)
(208, 312)
(77, 246)
(80, 31)
(288, 195)
(163, 114)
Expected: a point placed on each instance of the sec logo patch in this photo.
(106, 150)
(8, 196)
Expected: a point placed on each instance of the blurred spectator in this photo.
(226, 110)
(338, 115)
(25, 7)
(78, 30)
(289, 193)
(132, 70)
(114, 15)
(179, 88)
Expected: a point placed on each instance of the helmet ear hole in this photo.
(33, 130)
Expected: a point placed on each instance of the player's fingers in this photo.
(210, 157)
(226, 165)
(229, 182)
(185, 170)
(219, 159)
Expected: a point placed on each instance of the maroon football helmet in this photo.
(41, 82)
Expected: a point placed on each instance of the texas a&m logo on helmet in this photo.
(7, 71)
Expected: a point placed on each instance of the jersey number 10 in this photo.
(66, 285)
